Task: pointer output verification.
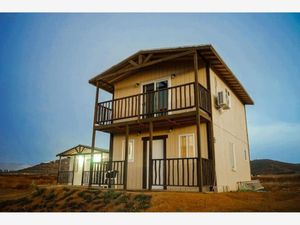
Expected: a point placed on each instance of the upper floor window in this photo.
(186, 146)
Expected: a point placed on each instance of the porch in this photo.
(163, 173)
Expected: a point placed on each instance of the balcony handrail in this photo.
(150, 92)
(142, 104)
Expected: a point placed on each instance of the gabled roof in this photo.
(81, 149)
(146, 58)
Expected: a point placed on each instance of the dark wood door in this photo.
(148, 100)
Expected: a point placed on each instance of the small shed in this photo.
(74, 164)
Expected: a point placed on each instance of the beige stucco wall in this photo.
(229, 126)
(135, 168)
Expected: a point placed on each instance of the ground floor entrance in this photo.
(158, 153)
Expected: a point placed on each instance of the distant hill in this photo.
(12, 166)
(50, 168)
(267, 166)
(259, 166)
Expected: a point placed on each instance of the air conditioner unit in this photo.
(223, 100)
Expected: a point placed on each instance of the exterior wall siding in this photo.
(229, 127)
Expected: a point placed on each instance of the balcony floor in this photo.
(159, 123)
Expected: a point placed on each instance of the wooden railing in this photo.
(100, 173)
(180, 172)
(65, 177)
(152, 104)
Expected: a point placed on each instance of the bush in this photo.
(50, 195)
(143, 201)
(38, 192)
(110, 195)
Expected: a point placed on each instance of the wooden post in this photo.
(110, 159)
(93, 137)
(126, 157)
(59, 167)
(197, 103)
(74, 161)
(82, 170)
(150, 155)
(210, 125)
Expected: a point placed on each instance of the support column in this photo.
(198, 135)
(83, 164)
(93, 137)
(211, 142)
(111, 143)
(74, 161)
(59, 167)
(126, 157)
(150, 155)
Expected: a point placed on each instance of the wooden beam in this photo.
(210, 128)
(148, 58)
(150, 169)
(74, 161)
(140, 59)
(133, 63)
(93, 137)
(126, 157)
(150, 63)
(198, 136)
(83, 164)
(59, 167)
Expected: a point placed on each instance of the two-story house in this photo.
(177, 121)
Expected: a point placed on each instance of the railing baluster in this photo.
(193, 172)
(178, 172)
(183, 172)
(188, 172)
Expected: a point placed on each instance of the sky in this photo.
(46, 61)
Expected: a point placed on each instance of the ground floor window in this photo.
(232, 158)
(130, 150)
(186, 146)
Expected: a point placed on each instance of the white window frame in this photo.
(232, 156)
(179, 145)
(130, 156)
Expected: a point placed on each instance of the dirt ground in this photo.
(39, 194)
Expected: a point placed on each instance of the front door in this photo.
(158, 152)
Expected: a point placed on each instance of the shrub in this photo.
(143, 201)
(50, 195)
(110, 195)
(38, 192)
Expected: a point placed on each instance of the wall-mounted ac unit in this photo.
(223, 100)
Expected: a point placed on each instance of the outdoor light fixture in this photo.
(173, 75)
(170, 130)
(137, 84)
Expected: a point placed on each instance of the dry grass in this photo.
(282, 195)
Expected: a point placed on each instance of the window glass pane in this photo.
(183, 147)
(191, 146)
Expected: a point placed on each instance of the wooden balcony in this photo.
(155, 104)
